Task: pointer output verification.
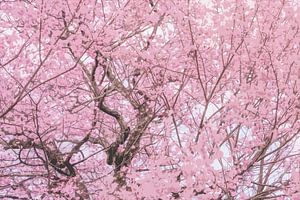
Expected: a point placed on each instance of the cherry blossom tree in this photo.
(149, 99)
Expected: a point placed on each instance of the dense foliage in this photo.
(149, 99)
